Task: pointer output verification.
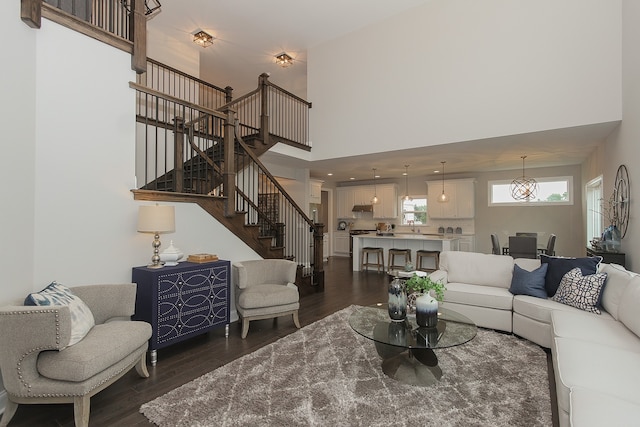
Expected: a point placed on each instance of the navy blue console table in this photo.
(182, 301)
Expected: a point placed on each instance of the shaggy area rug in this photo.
(327, 375)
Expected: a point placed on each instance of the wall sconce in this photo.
(203, 39)
(523, 188)
(284, 60)
(443, 198)
(156, 219)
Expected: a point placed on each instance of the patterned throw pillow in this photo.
(580, 291)
(55, 294)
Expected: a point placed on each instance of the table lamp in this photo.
(156, 219)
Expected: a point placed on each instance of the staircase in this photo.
(210, 156)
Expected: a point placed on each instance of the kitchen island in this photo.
(413, 241)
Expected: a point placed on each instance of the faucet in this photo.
(413, 225)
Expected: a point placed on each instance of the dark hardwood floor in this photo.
(118, 405)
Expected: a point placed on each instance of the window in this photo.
(414, 210)
(551, 191)
(594, 215)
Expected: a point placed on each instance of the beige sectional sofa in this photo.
(596, 357)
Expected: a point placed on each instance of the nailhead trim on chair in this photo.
(37, 349)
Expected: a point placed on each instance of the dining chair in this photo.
(550, 249)
(495, 244)
(523, 247)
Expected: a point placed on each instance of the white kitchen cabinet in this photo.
(345, 202)
(315, 191)
(387, 206)
(461, 204)
(362, 195)
(341, 243)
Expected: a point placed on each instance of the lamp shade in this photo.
(156, 219)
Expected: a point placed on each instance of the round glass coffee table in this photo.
(406, 349)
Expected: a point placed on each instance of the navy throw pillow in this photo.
(530, 283)
(559, 266)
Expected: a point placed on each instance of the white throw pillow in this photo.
(618, 278)
(55, 294)
(580, 291)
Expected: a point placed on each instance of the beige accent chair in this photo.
(38, 367)
(265, 289)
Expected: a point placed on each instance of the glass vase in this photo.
(397, 300)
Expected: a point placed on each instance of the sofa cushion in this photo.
(559, 266)
(482, 296)
(618, 279)
(540, 309)
(56, 294)
(579, 363)
(530, 283)
(477, 269)
(259, 296)
(628, 312)
(104, 346)
(593, 328)
(580, 291)
(593, 408)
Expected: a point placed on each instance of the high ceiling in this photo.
(249, 33)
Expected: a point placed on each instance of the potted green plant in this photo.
(424, 284)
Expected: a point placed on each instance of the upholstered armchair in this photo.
(38, 365)
(265, 289)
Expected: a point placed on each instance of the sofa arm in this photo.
(26, 331)
(108, 301)
(440, 276)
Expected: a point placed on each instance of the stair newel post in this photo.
(264, 108)
(228, 94)
(318, 264)
(279, 234)
(178, 155)
(138, 36)
(229, 172)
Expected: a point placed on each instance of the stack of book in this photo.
(200, 258)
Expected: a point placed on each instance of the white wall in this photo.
(623, 145)
(458, 70)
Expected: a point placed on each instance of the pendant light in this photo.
(443, 198)
(374, 200)
(523, 188)
(407, 197)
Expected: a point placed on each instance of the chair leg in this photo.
(9, 411)
(141, 366)
(296, 321)
(81, 408)
(245, 327)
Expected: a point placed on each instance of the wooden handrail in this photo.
(200, 108)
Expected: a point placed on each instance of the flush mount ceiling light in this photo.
(523, 188)
(406, 197)
(284, 60)
(443, 198)
(374, 200)
(203, 39)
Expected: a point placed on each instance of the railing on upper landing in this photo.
(273, 114)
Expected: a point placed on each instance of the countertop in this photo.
(409, 236)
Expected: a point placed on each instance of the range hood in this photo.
(362, 208)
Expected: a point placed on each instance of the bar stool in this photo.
(427, 254)
(364, 258)
(405, 253)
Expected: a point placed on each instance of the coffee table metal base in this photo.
(415, 366)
